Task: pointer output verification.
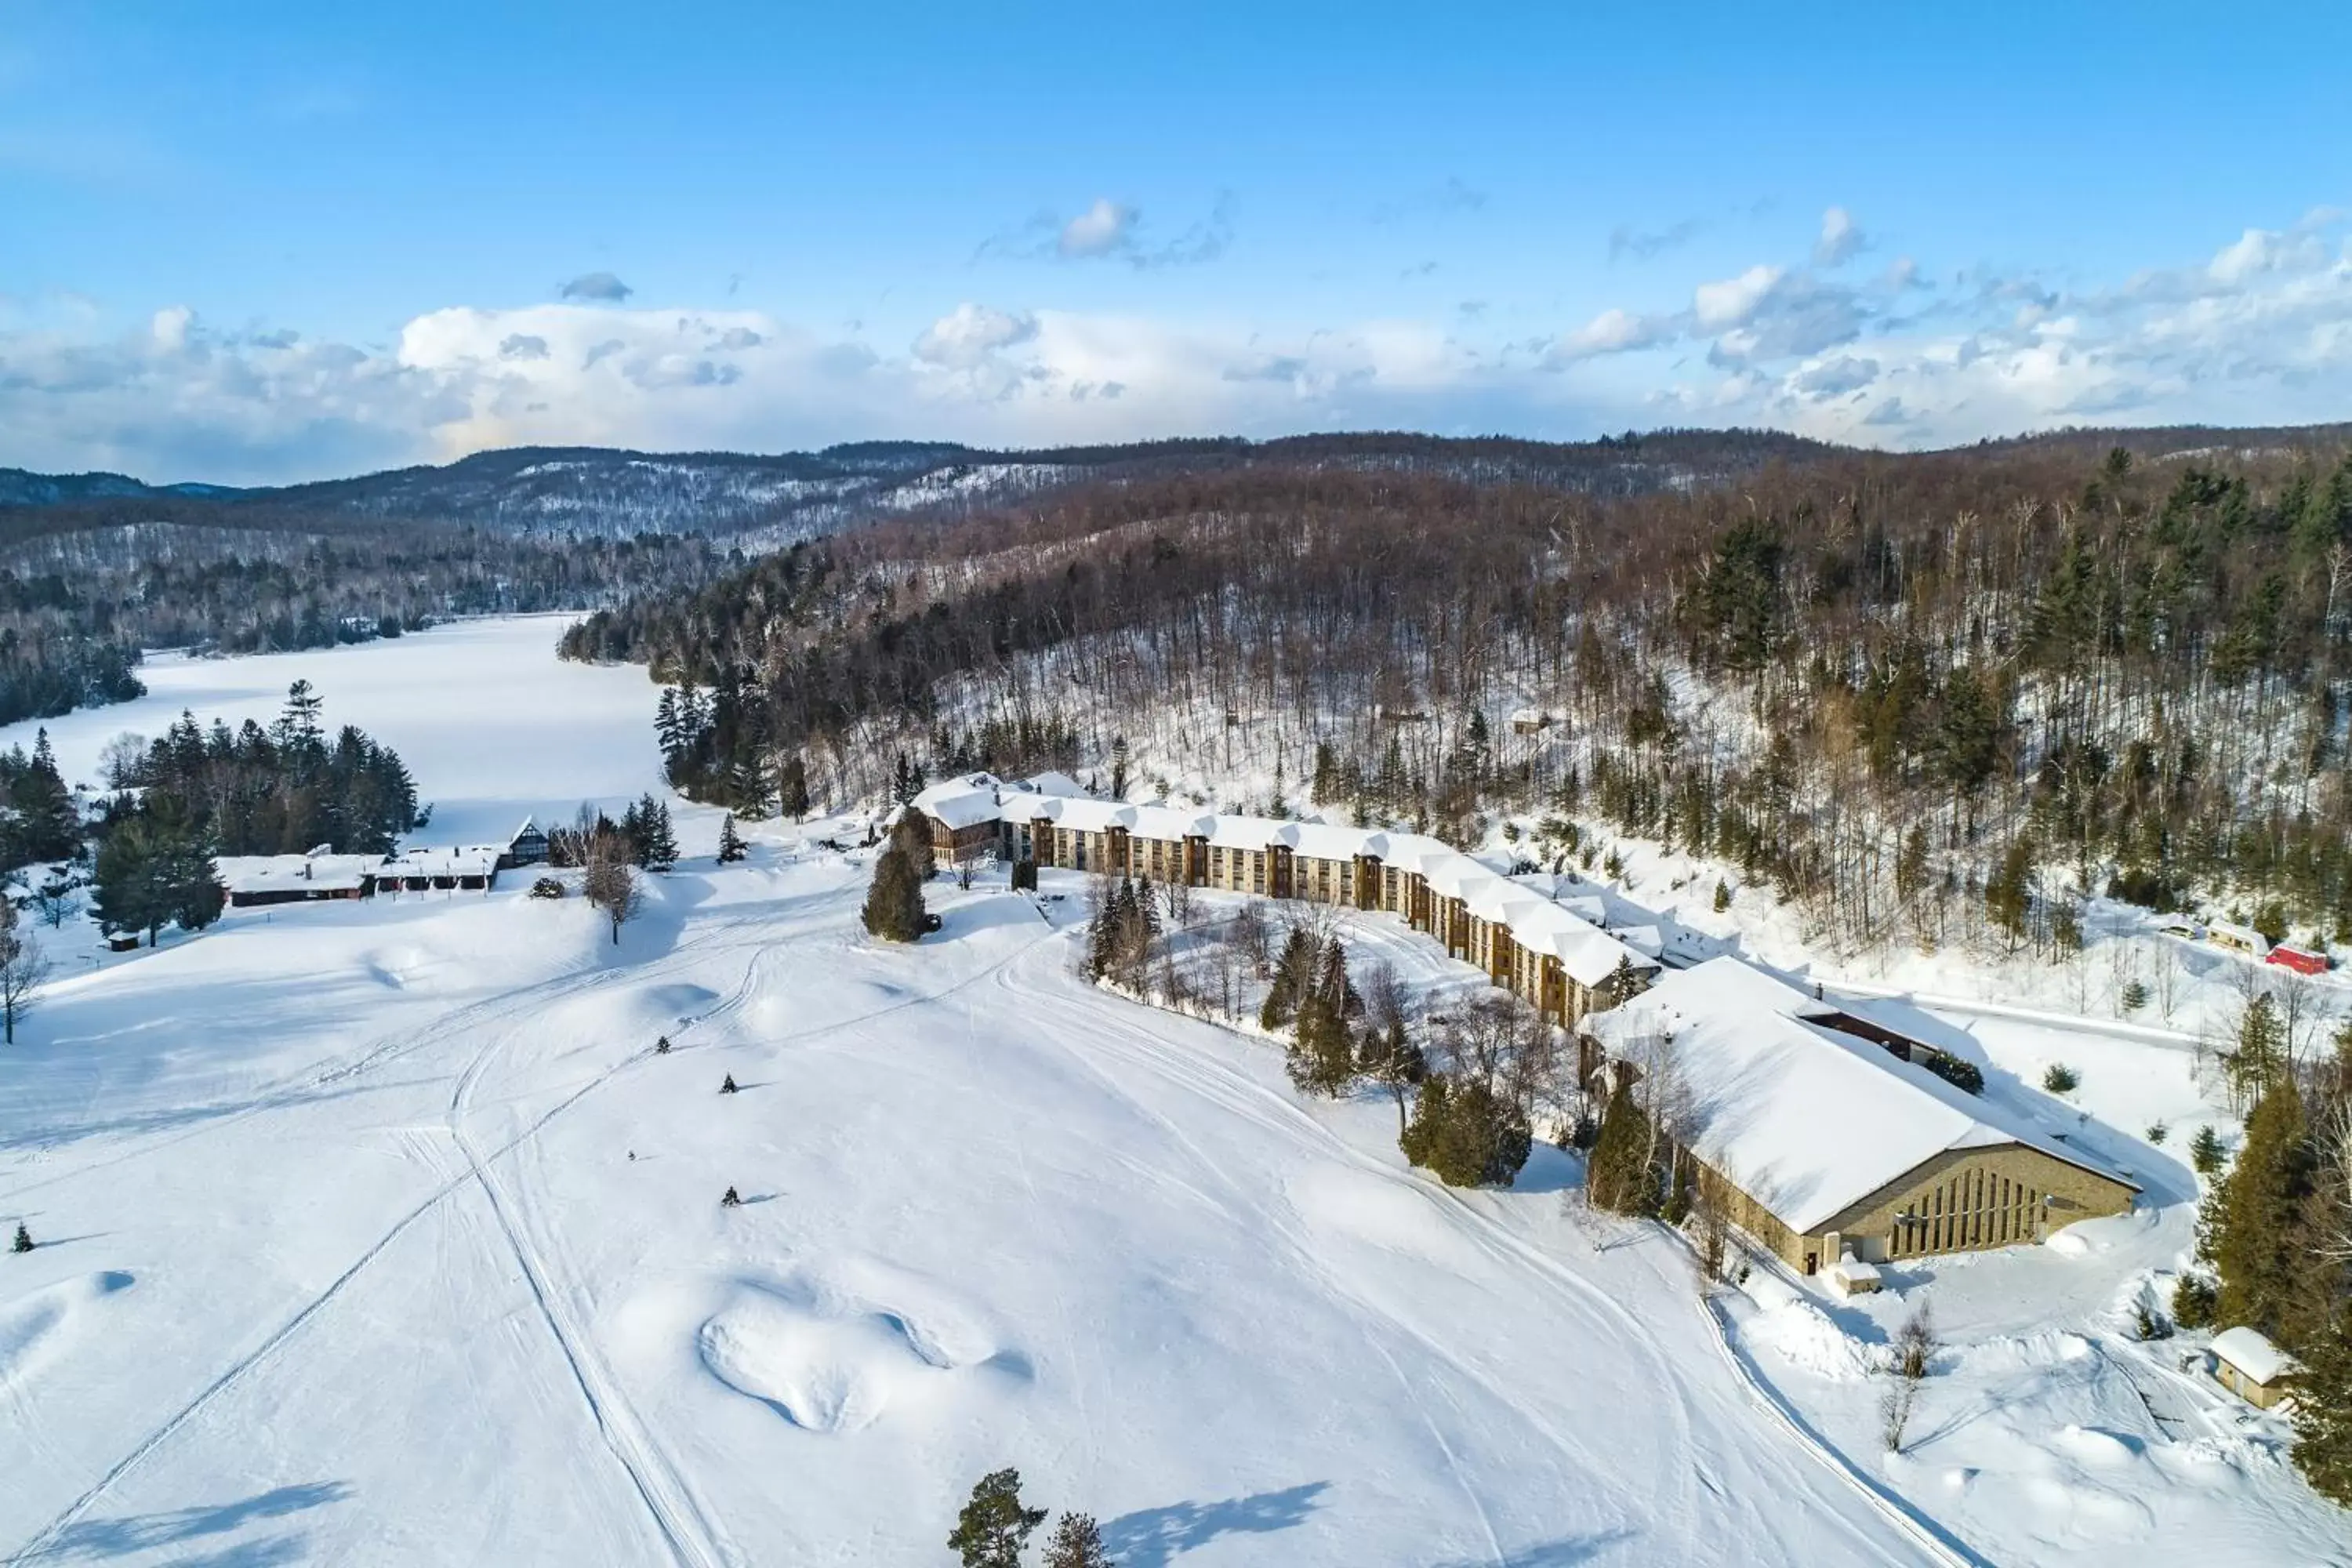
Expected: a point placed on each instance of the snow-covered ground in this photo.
(382, 1232)
(490, 723)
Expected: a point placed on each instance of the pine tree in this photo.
(2260, 1053)
(1118, 767)
(893, 903)
(1076, 1542)
(995, 1525)
(2323, 1409)
(726, 1084)
(2255, 1243)
(1467, 1134)
(2205, 1151)
(660, 839)
(1722, 896)
(2009, 893)
(730, 843)
(1618, 1178)
(1290, 980)
(792, 787)
(24, 1242)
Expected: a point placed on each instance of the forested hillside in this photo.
(1924, 697)
(84, 588)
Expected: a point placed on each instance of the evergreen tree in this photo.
(1466, 1133)
(792, 787)
(995, 1525)
(48, 827)
(1118, 767)
(2205, 1151)
(893, 903)
(2254, 1242)
(24, 1242)
(1076, 1542)
(660, 839)
(1618, 1178)
(911, 836)
(1291, 972)
(731, 848)
(903, 788)
(2260, 1058)
(2009, 893)
(2323, 1409)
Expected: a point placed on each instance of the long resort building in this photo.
(1562, 963)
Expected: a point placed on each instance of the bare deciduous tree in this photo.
(610, 883)
(22, 967)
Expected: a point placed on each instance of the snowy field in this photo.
(381, 1233)
(491, 724)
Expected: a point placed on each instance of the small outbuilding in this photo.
(2247, 1365)
(2303, 960)
(1853, 1277)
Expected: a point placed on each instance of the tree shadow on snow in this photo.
(1566, 1552)
(1153, 1536)
(96, 1537)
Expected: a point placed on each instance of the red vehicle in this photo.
(2302, 963)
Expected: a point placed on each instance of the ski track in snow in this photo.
(1718, 1455)
(667, 1498)
(1682, 1473)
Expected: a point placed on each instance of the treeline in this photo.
(284, 789)
(2274, 1234)
(84, 587)
(1868, 681)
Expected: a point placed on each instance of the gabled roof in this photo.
(2253, 1353)
(1805, 1119)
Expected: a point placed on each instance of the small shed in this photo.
(1853, 1277)
(2247, 1365)
(1530, 721)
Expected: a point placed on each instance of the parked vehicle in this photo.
(2299, 959)
(2240, 939)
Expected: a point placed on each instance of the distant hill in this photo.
(765, 500)
(770, 499)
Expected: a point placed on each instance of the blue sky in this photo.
(260, 242)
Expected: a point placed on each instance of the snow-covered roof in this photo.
(1051, 783)
(1852, 1270)
(457, 860)
(2253, 1353)
(1807, 1120)
(1588, 955)
(319, 871)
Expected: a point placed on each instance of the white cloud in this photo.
(2255, 331)
(1612, 332)
(970, 333)
(1841, 241)
(1729, 303)
(1103, 228)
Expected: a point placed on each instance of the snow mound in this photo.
(34, 1326)
(833, 1353)
(2097, 1447)
(1788, 1324)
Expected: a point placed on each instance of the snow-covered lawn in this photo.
(382, 1233)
